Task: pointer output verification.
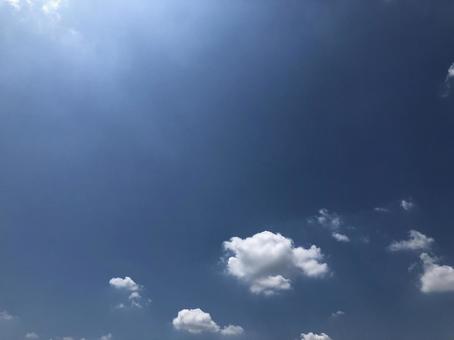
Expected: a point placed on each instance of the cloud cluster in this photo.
(129, 286)
(436, 278)
(416, 241)
(196, 321)
(266, 261)
(313, 336)
(31, 335)
(331, 221)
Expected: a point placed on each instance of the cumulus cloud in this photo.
(131, 287)
(196, 321)
(127, 284)
(106, 337)
(407, 205)
(416, 241)
(312, 336)
(31, 335)
(265, 261)
(436, 278)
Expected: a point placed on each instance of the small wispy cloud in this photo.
(416, 241)
(448, 83)
(337, 314)
(407, 204)
(332, 222)
(6, 316)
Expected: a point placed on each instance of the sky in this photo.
(226, 169)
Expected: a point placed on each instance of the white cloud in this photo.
(416, 241)
(106, 337)
(51, 6)
(331, 221)
(196, 321)
(340, 237)
(6, 316)
(436, 278)
(338, 314)
(407, 205)
(266, 261)
(381, 210)
(47, 7)
(31, 335)
(327, 219)
(127, 284)
(270, 284)
(448, 82)
(232, 330)
(313, 336)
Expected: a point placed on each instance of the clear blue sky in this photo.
(167, 165)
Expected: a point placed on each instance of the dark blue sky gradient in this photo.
(137, 145)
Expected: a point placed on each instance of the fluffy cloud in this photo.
(127, 284)
(31, 335)
(196, 321)
(265, 261)
(436, 278)
(312, 336)
(416, 241)
(131, 287)
(407, 205)
(106, 337)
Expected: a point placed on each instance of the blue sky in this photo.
(226, 169)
